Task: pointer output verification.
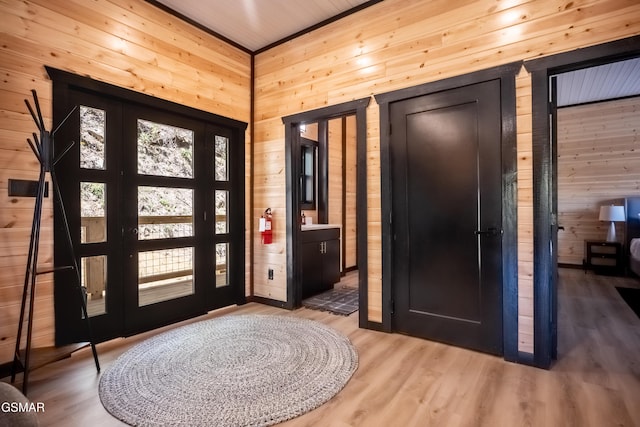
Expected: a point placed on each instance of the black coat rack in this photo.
(42, 147)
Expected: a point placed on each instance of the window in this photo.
(308, 149)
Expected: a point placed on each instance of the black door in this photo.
(155, 206)
(446, 201)
(553, 204)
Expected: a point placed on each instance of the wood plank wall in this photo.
(392, 45)
(401, 43)
(128, 43)
(598, 164)
(351, 174)
(339, 183)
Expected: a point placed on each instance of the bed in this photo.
(632, 233)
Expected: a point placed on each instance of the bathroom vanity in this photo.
(320, 258)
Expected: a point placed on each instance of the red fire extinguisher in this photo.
(266, 227)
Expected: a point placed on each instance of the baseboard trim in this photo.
(270, 302)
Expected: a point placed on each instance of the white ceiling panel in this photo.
(255, 24)
(609, 81)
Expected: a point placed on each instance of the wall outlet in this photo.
(270, 274)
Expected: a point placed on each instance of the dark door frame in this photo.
(544, 289)
(358, 108)
(63, 83)
(506, 74)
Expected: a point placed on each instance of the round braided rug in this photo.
(242, 370)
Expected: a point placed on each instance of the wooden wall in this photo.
(128, 43)
(401, 43)
(392, 45)
(342, 181)
(598, 164)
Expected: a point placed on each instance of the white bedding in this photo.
(634, 256)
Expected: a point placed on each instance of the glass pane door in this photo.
(226, 229)
(166, 214)
(162, 245)
(154, 196)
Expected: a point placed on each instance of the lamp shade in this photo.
(611, 213)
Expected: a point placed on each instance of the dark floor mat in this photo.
(632, 297)
(343, 301)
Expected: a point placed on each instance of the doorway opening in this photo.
(545, 179)
(154, 199)
(326, 188)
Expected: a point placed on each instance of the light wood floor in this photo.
(404, 381)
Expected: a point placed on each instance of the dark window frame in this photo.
(64, 83)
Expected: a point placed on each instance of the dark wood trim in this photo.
(252, 180)
(245, 49)
(322, 195)
(574, 266)
(509, 215)
(343, 198)
(292, 153)
(361, 214)
(526, 359)
(386, 217)
(506, 73)
(198, 25)
(89, 85)
(374, 326)
(293, 243)
(541, 69)
(269, 301)
(449, 83)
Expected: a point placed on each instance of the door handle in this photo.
(491, 231)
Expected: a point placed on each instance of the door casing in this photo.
(294, 242)
(544, 190)
(447, 228)
(506, 75)
(63, 84)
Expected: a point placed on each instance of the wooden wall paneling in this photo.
(395, 60)
(391, 45)
(351, 226)
(525, 213)
(597, 164)
(336, 184)
(128, 43)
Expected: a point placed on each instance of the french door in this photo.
(154, 202)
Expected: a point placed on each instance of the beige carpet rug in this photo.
(244, 370)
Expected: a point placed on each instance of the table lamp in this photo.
(611, 213)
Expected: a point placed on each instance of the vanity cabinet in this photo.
(320, 260)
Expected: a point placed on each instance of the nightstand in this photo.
(604, 257)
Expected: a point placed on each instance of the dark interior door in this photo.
(555, 226)
(446, 184)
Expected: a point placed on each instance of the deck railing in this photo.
(154, 266)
